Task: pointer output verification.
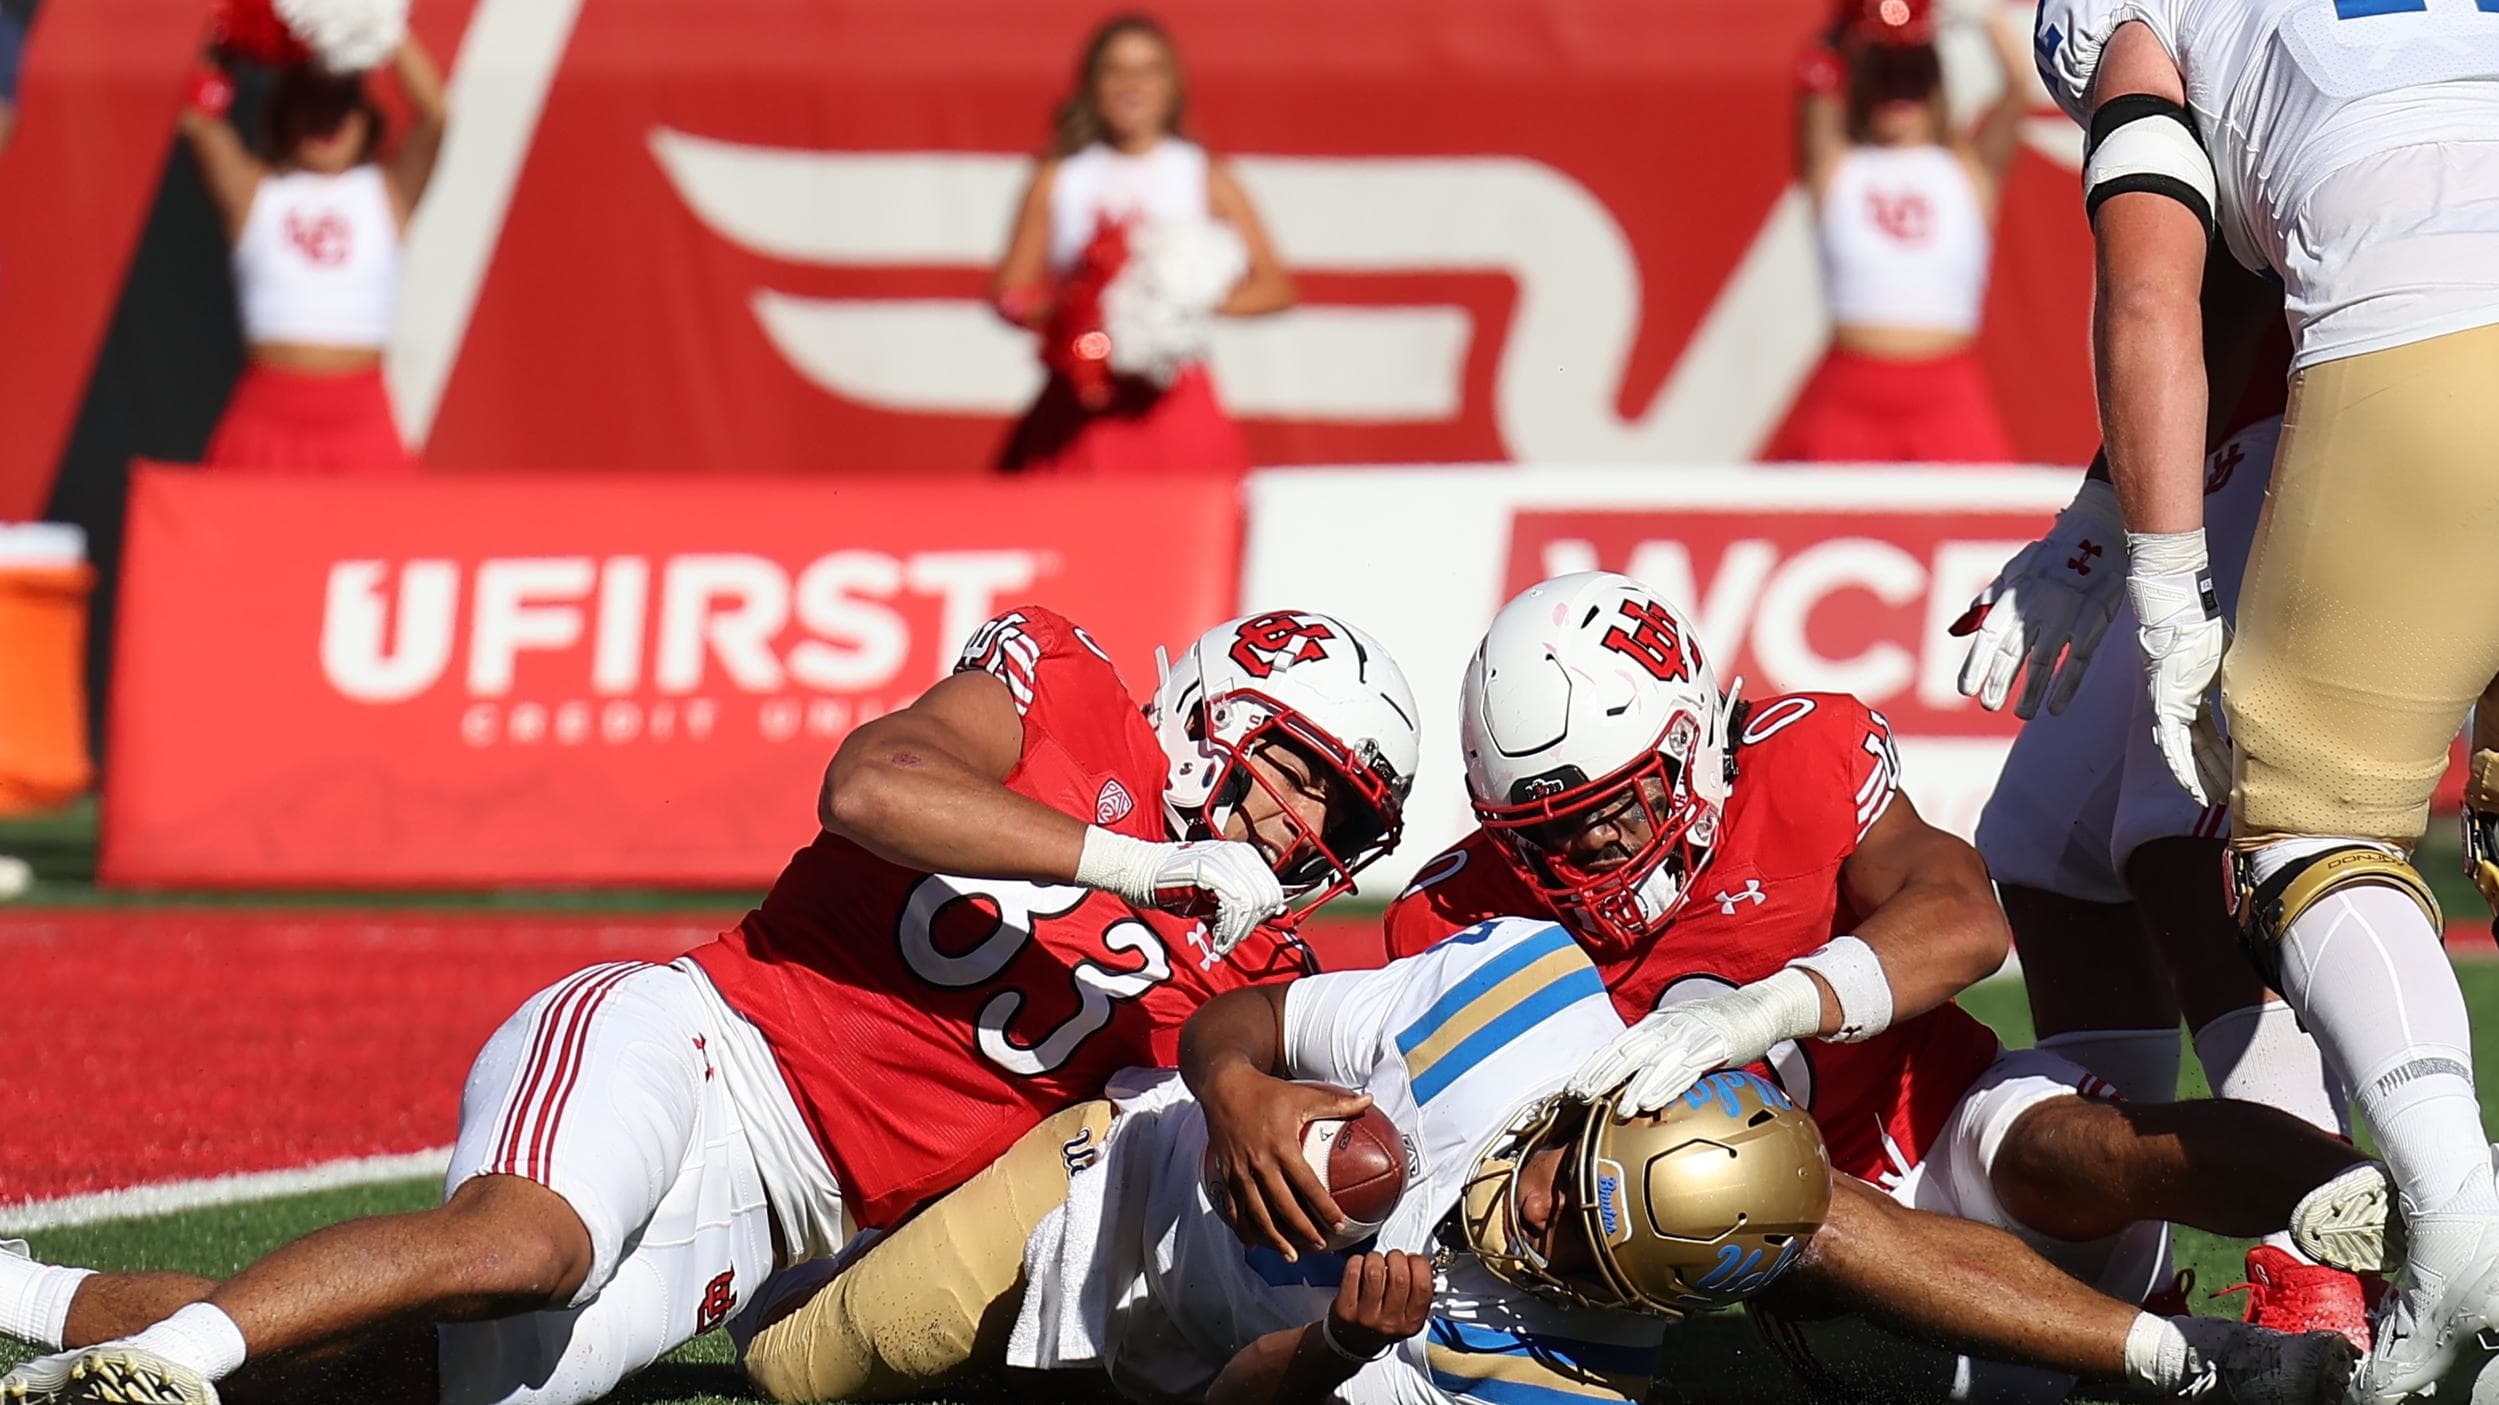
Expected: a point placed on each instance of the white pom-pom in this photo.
(1160, 309)
(346, 36)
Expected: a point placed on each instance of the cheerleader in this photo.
(316, 230)
(1129, 241)
(1903, 212)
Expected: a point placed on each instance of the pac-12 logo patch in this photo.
(1113, 804)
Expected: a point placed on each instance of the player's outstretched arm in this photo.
(1384, 1299)
(1232, 1058)
(1931, 923)
(1976, 1290)
(922, 788)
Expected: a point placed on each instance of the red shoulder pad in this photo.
(1821, 769)
(1467, 883)
(1032, 649)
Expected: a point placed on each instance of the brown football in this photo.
(1363, 1162)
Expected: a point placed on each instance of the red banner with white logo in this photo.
(755, 235)
(574, 680)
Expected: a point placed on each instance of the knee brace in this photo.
(2266, 910)
(2481, 828)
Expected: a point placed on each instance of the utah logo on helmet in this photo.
(1316, 685)
(1590, 703)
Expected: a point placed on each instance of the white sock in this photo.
(2364, 968)
(34, 1298)
(201, 1337)
(2142, 1064)
(2157, 1354)
(2259, 1054)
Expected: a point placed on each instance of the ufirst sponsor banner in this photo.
(1797, 579)
(569, 680)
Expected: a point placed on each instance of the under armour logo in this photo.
(2080, 563)
(1080, 1151)
(1750, 893)
(2222, 467)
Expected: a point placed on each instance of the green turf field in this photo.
(217, 1241)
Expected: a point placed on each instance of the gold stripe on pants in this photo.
(2369, 620)
(937, 1296)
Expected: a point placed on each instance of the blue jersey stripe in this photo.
(1526, 953)
(1557, 994)
(1311, 1270)
(1608, 1357)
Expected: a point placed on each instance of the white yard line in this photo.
(167, 1197)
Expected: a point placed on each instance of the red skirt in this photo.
(1864, 409)
(1142, 431)
(293, 422)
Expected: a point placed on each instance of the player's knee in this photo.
(2059, 1166)
(514, 1242)
(2276, 882)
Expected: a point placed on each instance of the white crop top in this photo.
(1903, 240)
(318, 259)
(1168, 182)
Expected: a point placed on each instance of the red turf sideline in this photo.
(160, 1046)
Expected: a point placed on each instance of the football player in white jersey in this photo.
(2103, 861)
(2351, 149)
(1561, 1238)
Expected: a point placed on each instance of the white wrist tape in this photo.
(1114, 863)
(2168, 574)
(2157, 1353)
(1855, 975)
(1781, 1006)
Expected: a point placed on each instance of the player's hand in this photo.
(2183, 637)
(1384, 1299)
(1256, 1173)
(1226, 882)
(1670, 1049)
(2056, 596)
(1663, 1056)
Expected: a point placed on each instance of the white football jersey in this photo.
(1138, 1274)
(2355, 145)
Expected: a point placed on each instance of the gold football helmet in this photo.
(1701, 1204)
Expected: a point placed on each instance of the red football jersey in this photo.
(925, 1022)
(1813, 773)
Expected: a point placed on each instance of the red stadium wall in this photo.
(750, 235)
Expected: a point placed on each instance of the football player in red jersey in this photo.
(1754, 886)
(981, 934)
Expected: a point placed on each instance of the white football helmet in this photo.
(1589, 696)
(1317, 682)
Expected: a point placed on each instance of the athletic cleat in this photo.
(2352, 1222)
(2253, 1366)
(106, 1375)
(2423, 1331)
(2290, 1296)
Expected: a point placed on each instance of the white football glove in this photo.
(1231, 878)
(2183, 637)
(1672, 1048)
(2057, 595)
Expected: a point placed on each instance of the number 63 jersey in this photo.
(2353, 146)
(1814, 771)
(923, 1022)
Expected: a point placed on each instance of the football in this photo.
(1362, 1160)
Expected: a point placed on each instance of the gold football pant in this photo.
(2369, 620)
(938, 1295)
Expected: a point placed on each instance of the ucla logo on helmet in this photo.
(1609, 1193)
